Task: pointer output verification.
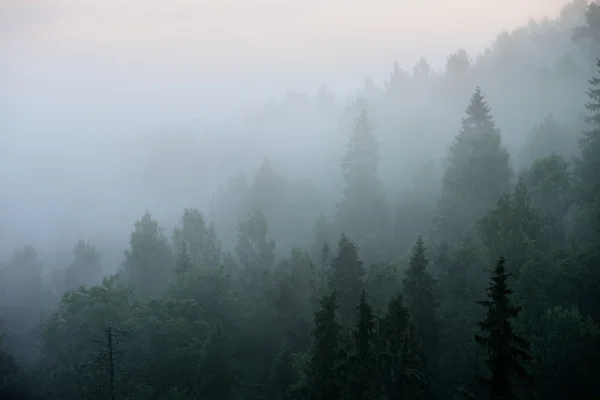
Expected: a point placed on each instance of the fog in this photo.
(249, 109)
(81, 81)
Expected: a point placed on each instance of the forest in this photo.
(438, 237)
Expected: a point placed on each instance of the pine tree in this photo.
(401, 365)
(148, 263)
(184, 262)
(347, 273)
(283, 375)
(478, 172)
(85, 269)
(362, 214)
(419, 289)
(203, 247)
(218, 369)
(587, 168)
(362, 369)
(323, 372)
(507, 352)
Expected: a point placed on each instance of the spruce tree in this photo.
(347, 272)
(477, 173)
(362, 214)
(183, 261)
(507, 352)
(283, 375)
(148, 263)
(324, 369)
(401, 364)
(419, 289)
(363, 379)
(587, 168)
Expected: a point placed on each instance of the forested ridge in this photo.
(477, 277)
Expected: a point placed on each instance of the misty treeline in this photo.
(477, 278)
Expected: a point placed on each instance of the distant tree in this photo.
(507, 352)
(458, 63)
(363, 213)
(254, 248)
(199, 238)
(422, 69)
(546, 139)
(283, 375)
(398, 79)
(477, 173)
(218, 366)
(266, 190)
(11, 386)
(550, 183)
(566, 372)
(183, 261)
(515, 229)
(401, 362)
(421, 298)
(588, 35)
(362, 373)
(347, 273)
(587, 169)
(85, 268)
(149, 262)
(324, 380)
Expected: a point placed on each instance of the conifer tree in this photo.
(184, 262)
(324, 368)
(419, 289)
(148, 263)
(203, 247)
(363, 379)
(477, 173)
(362, 214)
(401, 365)
(283, 375)
(507, 352)
(587, 168)
(347, 272)
(86, 267)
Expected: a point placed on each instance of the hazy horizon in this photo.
(79, 76)
(186, 62)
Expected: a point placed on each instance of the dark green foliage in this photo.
(566, 372)
(284, 375)
(363, 212)
(229, 316)
(148, 264)
(346, 279)
(516, 230)
(548, 139)
(507, 352)
(477, 173)
(401, 362)
(550, 184)
(12, 386)
(587, 168)
(200, 240)
(324, 370)
(85, 268)
(362, 375)
(218, 368)
(421, 298)
(184, 262)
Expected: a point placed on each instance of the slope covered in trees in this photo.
(365, 284)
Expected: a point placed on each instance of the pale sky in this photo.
(106, 55)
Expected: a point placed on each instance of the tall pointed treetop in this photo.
(507, 352)
(361, 160)
(478, 119)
